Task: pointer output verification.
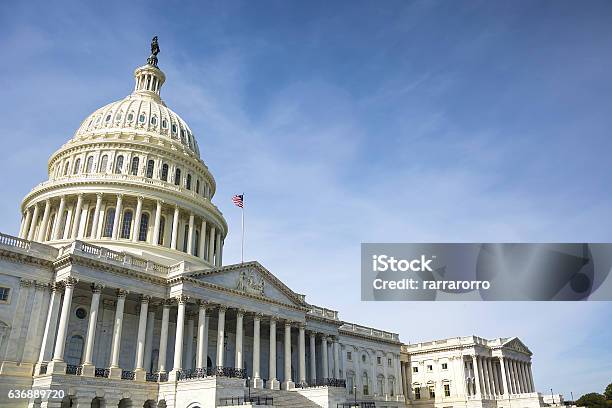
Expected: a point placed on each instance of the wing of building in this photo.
(114, 294)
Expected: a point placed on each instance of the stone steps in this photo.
(285, 399)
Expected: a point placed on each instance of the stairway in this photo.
(285, 399)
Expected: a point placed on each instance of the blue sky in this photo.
(350, 122)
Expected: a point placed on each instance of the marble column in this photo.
(257, 381)
(76, 217)
(42, 232)
(287, 383)
(149, 339)
(178, 338)
(202, 349)
(58, 366)
(211, 246)
(324, 359)
(96, 216)
(188, 355)
(238, 356)
(26, 224)
(513, 387)
(115, 370)
(163, 338)
(504, 389)
(530, 374)
(46, 348)
(137, 218)
(156, 227)
(201, 249)
(524, 377)
(88, 367)
(519, 386)
(302, 353)
(58, 219)
(139, 371)
(477, 380)
(117, 216)
(492, 378)
(32, 229)
(337, 359)
(190, 234)
(221, 336)
(218, 250)
(272, 380)
(487, 382)
(313, 359)
(175, 223)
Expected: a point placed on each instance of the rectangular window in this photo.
(4, 294)
(417, 393)
(444, 366)
(429, 367)
(447, 390)
(415, 369)
(432, 392)
(389, 362)
(349, 355)
(378, 360)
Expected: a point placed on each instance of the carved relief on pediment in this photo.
(251, 282)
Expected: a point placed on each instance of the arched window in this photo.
(416, 390)
(74, 351)
(89, 227)
(150, 168)
(89, 164)
(162, 226)
(188, 182)
(153, 120)
(164, 173)
(126, 226)
(108, 222)
(365, 383)
(119, 164)
(350, 382)
(77, 164)
(144, 227)
(196, 243)
(103, 164)
(432, 390)
(164, 124)
(141, 118)
(197, 186)
(134, 166)
(177, 177)
(66, 166)
(391, 386)
(185, 236)
(380, 380)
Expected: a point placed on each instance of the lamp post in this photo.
(355, 394)
(552, 396)
(249, 385)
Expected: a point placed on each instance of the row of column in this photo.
(73, 228)
(145, 326)
(494, 377)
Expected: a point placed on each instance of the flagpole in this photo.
(242, 245)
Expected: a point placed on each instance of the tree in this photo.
(608, 392)
(592, 400)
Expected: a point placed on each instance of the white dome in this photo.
(141, 112)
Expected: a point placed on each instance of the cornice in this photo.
(22, 258)
(369, 338)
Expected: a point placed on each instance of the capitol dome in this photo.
(131, 180)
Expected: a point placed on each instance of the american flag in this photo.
(238, 200)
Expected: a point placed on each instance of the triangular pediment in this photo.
(251, 279)
(515, 344)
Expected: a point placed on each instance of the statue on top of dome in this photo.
(152, 60)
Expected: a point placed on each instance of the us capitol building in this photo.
(115, 294)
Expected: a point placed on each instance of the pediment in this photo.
(252, 279)
(515, 344)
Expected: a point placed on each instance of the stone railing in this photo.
(450, 342)
(120, 258)
(230, 372)
(369, 331)
(323, 312)
(30, 247)
(323, 382)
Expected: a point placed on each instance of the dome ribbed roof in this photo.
(139, 113)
